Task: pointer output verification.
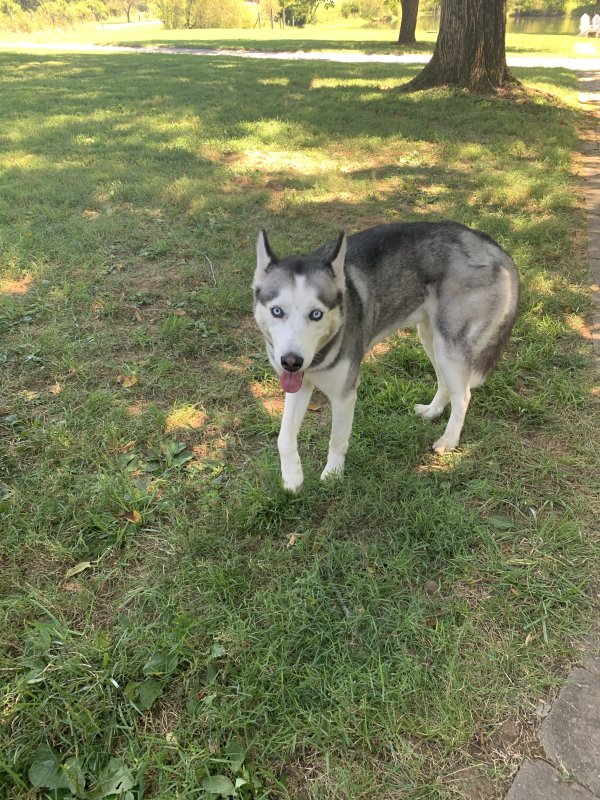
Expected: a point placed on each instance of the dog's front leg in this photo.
(287, 442)
(342, 415)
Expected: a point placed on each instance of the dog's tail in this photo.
(489, 356)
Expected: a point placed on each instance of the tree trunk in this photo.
(408, 25)
(470, 48)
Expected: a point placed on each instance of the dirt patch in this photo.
(270, 397)
(187, 417)
(248, 323)
(213, 445)
(506, 735)
(475, 786)
(16, 286)
(500, 750)
(153, 278)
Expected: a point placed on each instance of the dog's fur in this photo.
(320, 314)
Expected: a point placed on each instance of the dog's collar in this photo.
(318, 361)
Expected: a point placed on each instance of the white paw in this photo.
(292, 475)
(294, 483)
(444, 445)
(334, 466)
(428, 412)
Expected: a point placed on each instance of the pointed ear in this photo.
(264, 254)
(338, 258)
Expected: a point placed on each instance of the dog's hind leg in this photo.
(436, 408)
(456, 372)
(342, 415)
(287, 442)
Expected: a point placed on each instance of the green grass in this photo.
(169, 613)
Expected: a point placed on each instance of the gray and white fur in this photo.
(320, 313)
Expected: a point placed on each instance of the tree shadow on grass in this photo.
(292, 44)
(130, 143)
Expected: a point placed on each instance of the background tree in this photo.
(408, 23)
(269, 9)
(13, 16)
(539, 7)
(470, 49)
(304, 11)
(177, 14)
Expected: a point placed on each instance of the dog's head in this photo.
(298, 306)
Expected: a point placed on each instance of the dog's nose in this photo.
(291, 362)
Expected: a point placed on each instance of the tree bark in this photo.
(408, 24)
(470, 48)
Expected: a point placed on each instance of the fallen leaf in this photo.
(133, 516)
(126, 381)
(127, 447)
(137, 315)
(83, 565)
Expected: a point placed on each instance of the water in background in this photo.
(430, 22)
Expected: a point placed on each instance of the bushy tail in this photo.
(489, 357)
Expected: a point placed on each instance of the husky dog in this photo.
(320, 314)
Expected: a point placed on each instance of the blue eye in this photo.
(315, 315)
(277, 312)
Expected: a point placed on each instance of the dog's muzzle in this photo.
(291, 377)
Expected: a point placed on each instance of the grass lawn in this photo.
(348, 36)
(173, 622)
(339, 38)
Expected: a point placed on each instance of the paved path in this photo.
(570, 734)
(576, 64)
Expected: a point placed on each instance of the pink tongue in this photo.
(290, 381)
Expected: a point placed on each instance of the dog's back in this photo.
(456, 278)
